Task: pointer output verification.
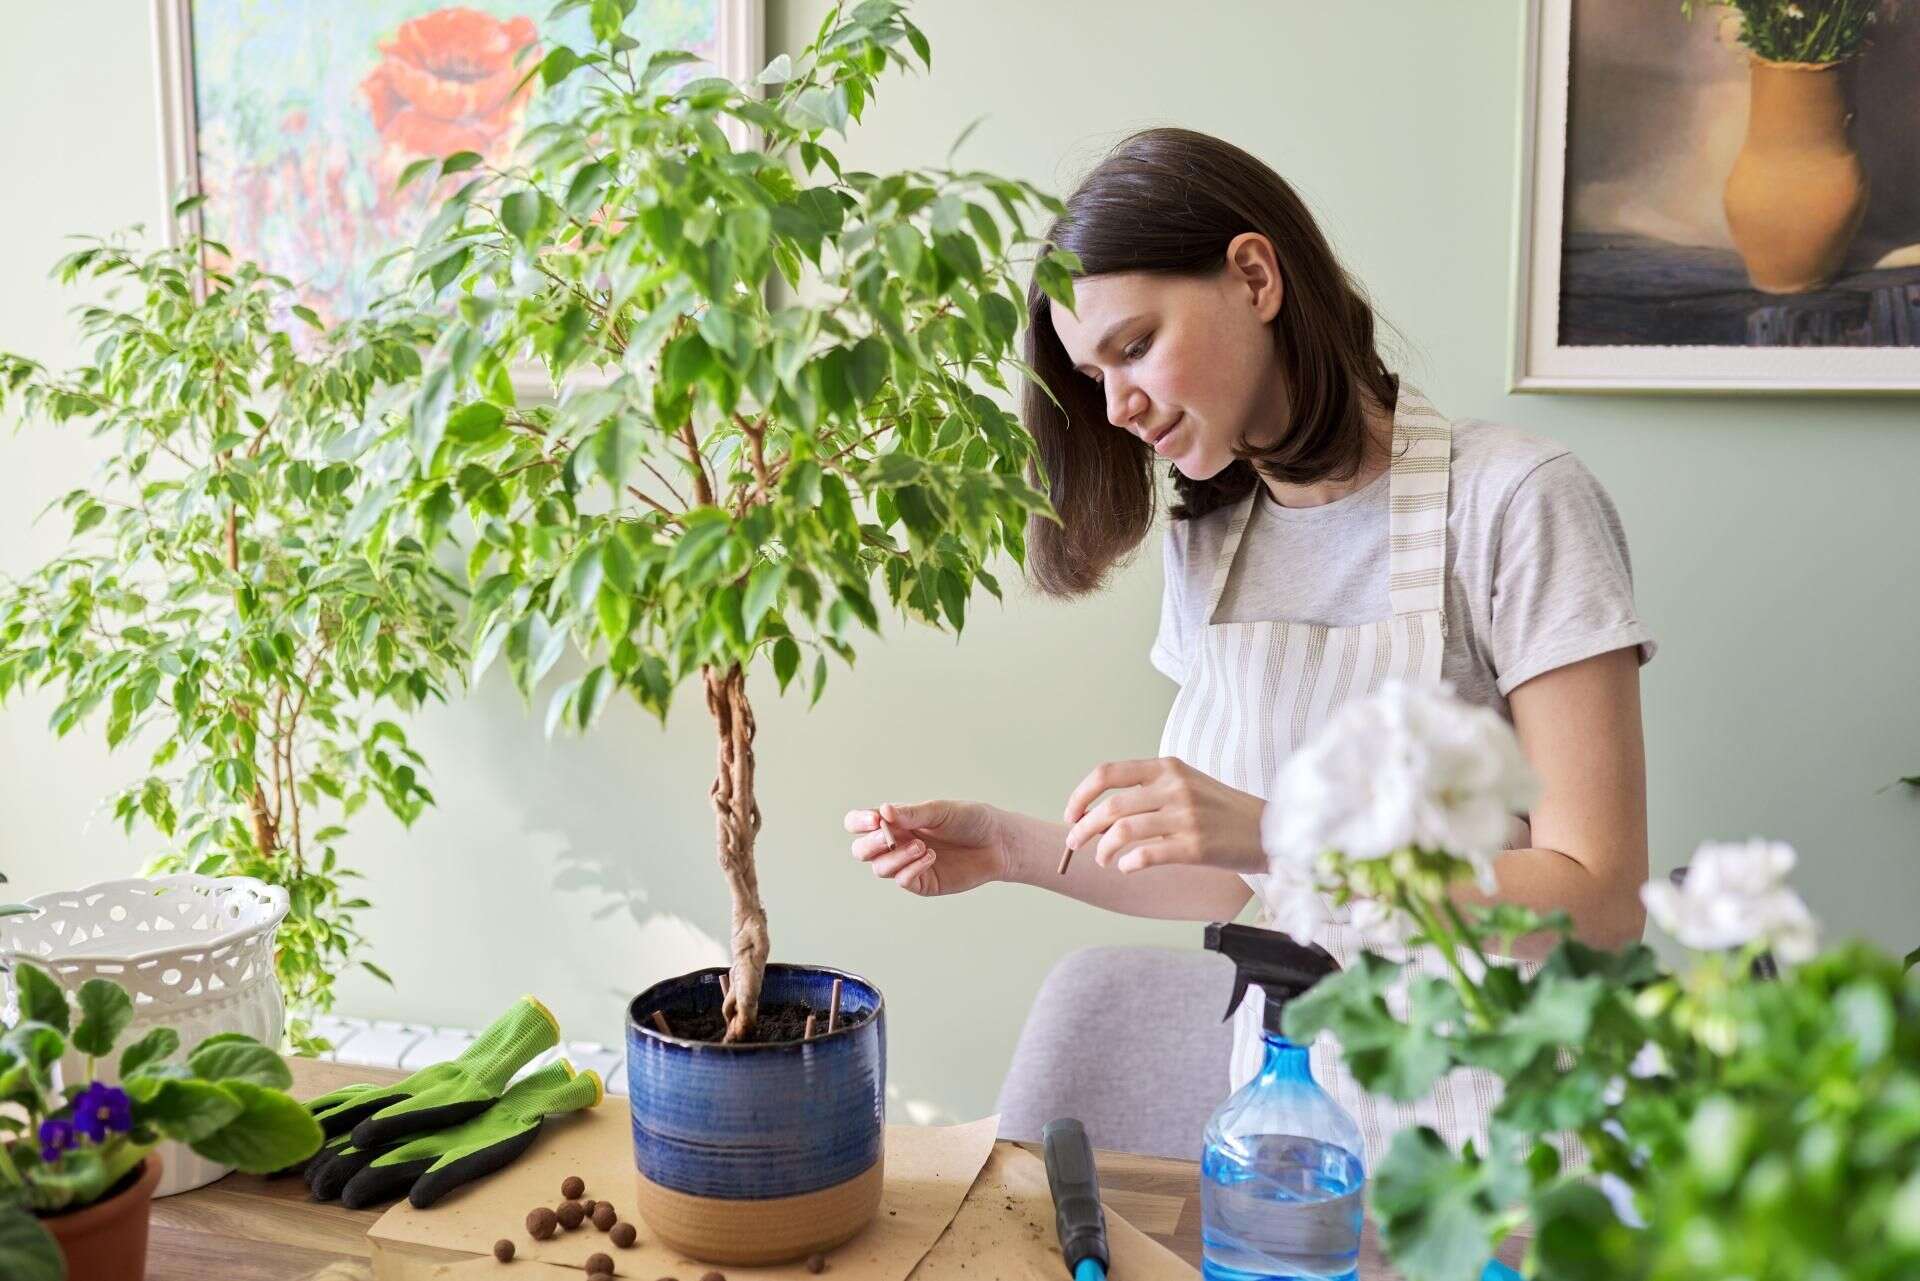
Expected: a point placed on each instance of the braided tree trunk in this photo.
(737, 823)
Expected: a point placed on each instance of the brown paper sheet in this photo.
(928, 1171)
(1005, 1232)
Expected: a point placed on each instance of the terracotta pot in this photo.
(765, 1152)
(1797, 190)
(107, 1241)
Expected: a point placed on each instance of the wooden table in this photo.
(244, 1228)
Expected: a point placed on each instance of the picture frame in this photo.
(1542, 359)
(321, 267)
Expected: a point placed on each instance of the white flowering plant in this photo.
(1755, 1115)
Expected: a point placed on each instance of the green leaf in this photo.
(413, 171)
(615, 611)
(584, 191)
(475, 423)
(458, 161)
(159, 1043)
(189, 1110)
(28, 1251)
(703, 540)
(270, 1133)
(1434, 1218)
(41, 999)
(239, 1060)
(558, 65)
(786, 660)
(584, 577)
(763, 590)
(604, 18)
(520, 214)
(105, 1011)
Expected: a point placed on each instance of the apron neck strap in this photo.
(1417, 507)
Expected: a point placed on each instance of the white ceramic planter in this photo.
(195, 953)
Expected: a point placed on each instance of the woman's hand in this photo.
(935, 847)
(1165, 811)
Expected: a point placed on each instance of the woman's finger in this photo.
(906, 877)
(873, 845)
(1105, 777)
(1156, 853)
(862, 820)
(890, 863)
(1127, 801)
(1131, 830)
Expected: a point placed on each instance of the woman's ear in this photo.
(1253, 269)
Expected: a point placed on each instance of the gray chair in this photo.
(1131, 1041)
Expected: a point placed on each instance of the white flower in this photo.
(1380, 925)
(1795, 12)
(1409, 765)
(1735, 894)
(1294, 906)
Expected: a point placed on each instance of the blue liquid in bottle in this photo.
(1282, 1186)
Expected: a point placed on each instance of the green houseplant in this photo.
(1736, 1126)
(229, 595)
(770, 380)
(76, 1169)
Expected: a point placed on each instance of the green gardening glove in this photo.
(335, 1164)
(429, 1167)
(445, 1093)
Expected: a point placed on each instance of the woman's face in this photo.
(1186, 364)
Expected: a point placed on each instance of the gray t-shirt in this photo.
(1537, 569)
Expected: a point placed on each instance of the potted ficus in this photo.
(77, 1162)
(228, 600)
(1797, 190)
(1739, 1120)
(771, 384)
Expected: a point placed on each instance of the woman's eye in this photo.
(1138, 348)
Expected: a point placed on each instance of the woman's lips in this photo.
(1166, 435)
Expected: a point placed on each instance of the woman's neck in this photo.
(1375, 454)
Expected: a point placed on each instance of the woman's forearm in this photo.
(1604, 916)
(1171, 892)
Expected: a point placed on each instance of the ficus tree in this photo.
(769, 387)
(229, 598)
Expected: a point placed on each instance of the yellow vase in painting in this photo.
(1797, 190)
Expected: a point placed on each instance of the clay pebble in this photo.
(541, 1222)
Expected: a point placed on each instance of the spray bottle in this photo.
(1282, 1179)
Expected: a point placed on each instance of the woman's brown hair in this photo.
(1171, 200)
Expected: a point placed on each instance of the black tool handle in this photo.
(1077, 1215)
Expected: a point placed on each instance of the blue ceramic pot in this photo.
(758, 1153)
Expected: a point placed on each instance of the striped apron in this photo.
(1255, 691)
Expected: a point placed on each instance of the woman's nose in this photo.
(1125, 403)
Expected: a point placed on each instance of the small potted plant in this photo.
(77, 1166)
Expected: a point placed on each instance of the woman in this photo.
(1332, 530)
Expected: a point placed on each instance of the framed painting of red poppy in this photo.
(294, 119)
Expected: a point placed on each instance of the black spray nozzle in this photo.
(1278, 965)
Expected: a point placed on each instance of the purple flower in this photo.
(56, 1137)
(101, 1110)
